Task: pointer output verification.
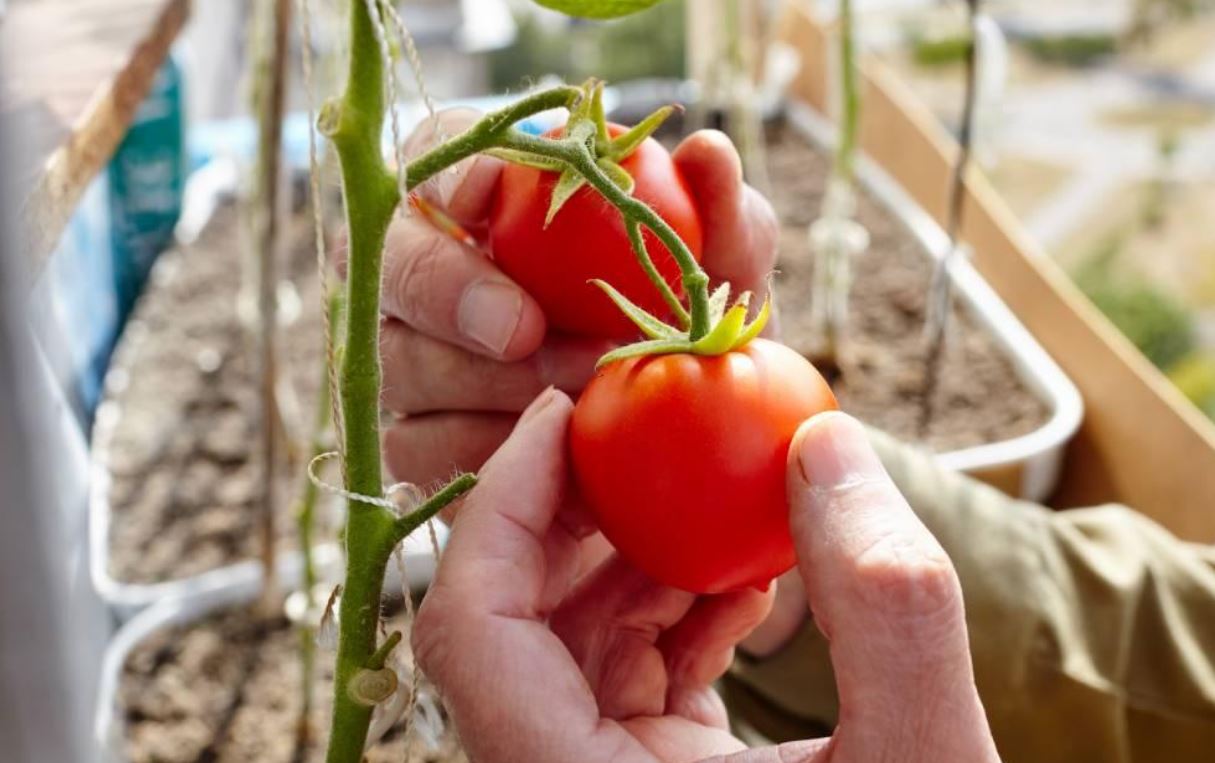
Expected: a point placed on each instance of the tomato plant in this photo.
(586, 238)
(681, 459)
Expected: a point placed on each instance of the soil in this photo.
(184, 453)
(979, 398)
(227, 689)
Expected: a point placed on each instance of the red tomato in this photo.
(586, 240)
(681, 458)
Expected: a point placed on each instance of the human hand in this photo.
(465, 349)
(536, 664)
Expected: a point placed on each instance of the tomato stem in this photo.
(647, 264)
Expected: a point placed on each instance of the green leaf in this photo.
(649, 325)
(621, 179)
(598, 9)
(567, 185)
(628, 142)
(650, 347)
(527, 159)
(717, 303)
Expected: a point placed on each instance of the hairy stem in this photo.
(850, 98)
(647, 264)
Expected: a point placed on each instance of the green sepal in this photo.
(626, 143)
(723, 336)
(567, 185)
(621, 179)
(730, 332)
(753, 329)
(648, 347)
(527, 159)
(717, 303)
(649, 325)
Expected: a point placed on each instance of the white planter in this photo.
(1033, 461)
(127, 599)
(200, 597)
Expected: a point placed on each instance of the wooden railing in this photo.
(1141, 443)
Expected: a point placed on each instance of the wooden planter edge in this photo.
(1142, 443)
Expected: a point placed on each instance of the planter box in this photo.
(203, 597)
(1027, 466)
(200, 599)
(1141, 443)
(127, 599)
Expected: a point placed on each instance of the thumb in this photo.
(886, 596)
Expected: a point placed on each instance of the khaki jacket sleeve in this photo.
(1092, 630)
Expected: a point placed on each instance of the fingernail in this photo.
(489, 314)
(834, 451)
(539, 404)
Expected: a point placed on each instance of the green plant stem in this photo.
(647, 264)
(850, 99)
(305, 519)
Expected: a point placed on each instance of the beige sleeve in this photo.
(1092, 630)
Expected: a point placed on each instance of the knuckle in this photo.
(413, 274)
(908, 577)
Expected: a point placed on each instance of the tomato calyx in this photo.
(729, 328)
(588, 124)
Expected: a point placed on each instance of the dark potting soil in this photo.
(978, 399)
(184, 451)
(227, 689)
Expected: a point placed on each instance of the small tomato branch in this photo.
(576, 154)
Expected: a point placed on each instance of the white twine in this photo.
(390, 95)
(318, 224)
(415, 65)
(384, 500)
